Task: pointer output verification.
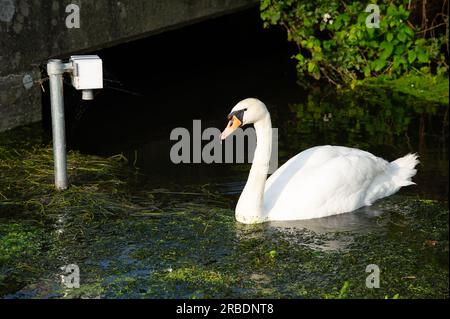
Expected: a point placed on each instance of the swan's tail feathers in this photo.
(404, 168)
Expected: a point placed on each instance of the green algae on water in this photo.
(132, 239)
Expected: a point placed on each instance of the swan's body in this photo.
(318, 182)
(328, 180)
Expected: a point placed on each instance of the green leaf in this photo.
(345, 17)
(300, 58)
(275, 17)
(264, 4)
(378, 64)
(366, 71)
(422, 57)
(317, 48)
(409, 31)
(311, 67)
(396, 62)
(388, 48)
(392, 10)
(359, 34)
(337, 25)
(402, 36)
(400, 49)
(389, 36)
(310, 43)
(411, 56)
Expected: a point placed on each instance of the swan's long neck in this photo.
(249, 208)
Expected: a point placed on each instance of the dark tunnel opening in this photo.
(156, 84)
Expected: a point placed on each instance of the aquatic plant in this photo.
(26, 182)
(134, 239)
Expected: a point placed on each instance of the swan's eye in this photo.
(236, 116)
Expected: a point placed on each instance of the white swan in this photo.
(318, 182)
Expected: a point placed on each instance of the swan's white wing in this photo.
(321, 181)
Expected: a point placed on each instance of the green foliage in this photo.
(342, 294)
(334, 41)
(425, 87)
(16, 243)
(376, 115)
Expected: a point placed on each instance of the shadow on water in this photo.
(153, 229)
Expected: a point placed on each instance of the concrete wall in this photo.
(32, 31)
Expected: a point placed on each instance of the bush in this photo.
(334, 41)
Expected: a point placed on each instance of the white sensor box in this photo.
(87, 72)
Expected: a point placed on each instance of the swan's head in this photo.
(247, 111)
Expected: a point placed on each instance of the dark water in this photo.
(185, 243)
(157, 84)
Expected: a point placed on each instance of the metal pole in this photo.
(55, 70)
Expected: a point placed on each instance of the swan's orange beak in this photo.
(233, 124)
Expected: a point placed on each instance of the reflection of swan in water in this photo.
(306, 232)
(360, 221)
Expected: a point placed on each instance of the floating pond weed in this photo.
(132, 239)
